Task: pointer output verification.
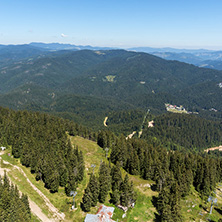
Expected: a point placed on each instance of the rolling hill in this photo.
(107, 80)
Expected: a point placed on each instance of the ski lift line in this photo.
(144, 118)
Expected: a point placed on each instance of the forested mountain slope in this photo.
(10, 54)
(128, 68)
(53, 70)
(91, 83)
(182, 131)
(41, 142)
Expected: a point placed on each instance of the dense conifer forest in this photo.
(13, 206)
(177, 131)
(41, 142)
(173, 171)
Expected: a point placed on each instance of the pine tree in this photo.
(104, 182)
(102, 139)
(63, 176)
(116, 177)
(124, 189)
(115, 197)
(94, 189)
(163, 204)
(86, 200)
(24, 199)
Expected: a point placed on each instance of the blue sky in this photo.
(119, 23)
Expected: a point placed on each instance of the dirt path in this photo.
(214, 148)
(34, 208)
(38, 212)
(105, 120)
(131, 135)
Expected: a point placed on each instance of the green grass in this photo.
(196, 209)
(34, 218)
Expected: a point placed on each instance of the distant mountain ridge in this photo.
(199, 57)
(60, 46)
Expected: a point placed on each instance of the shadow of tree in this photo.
(153, 187)
(218, 210)
(157, 216)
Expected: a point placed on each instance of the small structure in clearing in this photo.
(104, 214)
(99, 53)
(3, 148)
(175, 109)
(151, 124)
(109, 78)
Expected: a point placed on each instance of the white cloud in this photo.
(63, 35)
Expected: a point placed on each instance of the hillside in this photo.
(86, 85)
(52, 153)
(183, 131)
(10, 54)
(139, 79)
(145, 210)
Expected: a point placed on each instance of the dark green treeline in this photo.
(41, 143)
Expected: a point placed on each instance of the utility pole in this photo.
(73, 193)
(213, 201)
(93, 166)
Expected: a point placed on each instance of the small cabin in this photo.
(104, 214)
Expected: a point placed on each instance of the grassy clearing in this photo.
(92, 153)
(143, 210)
(110, 78)
(177, 111)
(196, 209)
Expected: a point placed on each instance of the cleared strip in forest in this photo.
(35, 209)
(130, 135)
(214, 148)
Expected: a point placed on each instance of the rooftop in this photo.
(104, 214)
